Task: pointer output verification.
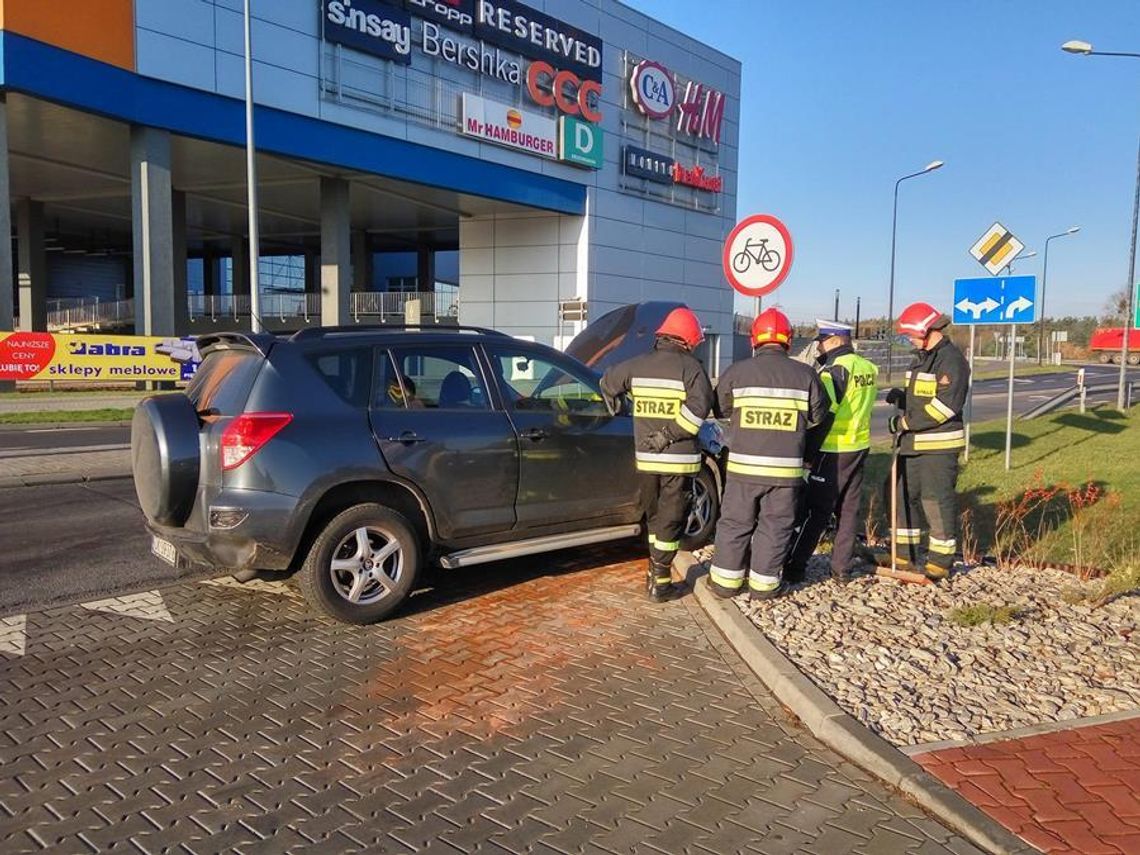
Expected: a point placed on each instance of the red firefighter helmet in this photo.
(918, 319)
(772, 327)
(682, 324)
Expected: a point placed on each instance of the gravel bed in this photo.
(890, 656)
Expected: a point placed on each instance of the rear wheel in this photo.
(704, 508)
(363, 565)
(1134, 359)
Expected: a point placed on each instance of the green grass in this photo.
(980, 613)
(106, 414)
(1064, 451)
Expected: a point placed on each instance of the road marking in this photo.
(265, 587)
(147, 605)
(61, 429)
(13, 634)
(32, 451)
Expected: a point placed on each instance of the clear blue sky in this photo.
(840, 98)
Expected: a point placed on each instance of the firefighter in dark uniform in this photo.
(835, 483)
(671, 398)
(773, 401)
(930, 433)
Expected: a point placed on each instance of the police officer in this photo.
(835, 483)
(671, 398)
(772, 401)
(930, 433)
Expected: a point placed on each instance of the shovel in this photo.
(893, 572)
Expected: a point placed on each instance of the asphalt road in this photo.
(72, 542)
(29, 441)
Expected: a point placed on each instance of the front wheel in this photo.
(362, 565)
(704, 508)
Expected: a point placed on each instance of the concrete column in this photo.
(152, 218)
(361, 262)
(181, 286)
(239, 267)
(31, 264)
(7, 289)
(425, 270)
(335, 252)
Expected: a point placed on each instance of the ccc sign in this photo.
(564, 90)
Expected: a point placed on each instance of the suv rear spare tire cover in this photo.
(164, 457)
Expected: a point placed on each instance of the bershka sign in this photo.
(508, 126)
(529, 32)
(369, 26)
(695, 176)
(641, 163)
(490, 62)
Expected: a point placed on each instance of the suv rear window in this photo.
(223, 380)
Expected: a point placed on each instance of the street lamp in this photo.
(251, 183)
(930, 167)
(1041, 302)
(1021, 256)
(1086, 49)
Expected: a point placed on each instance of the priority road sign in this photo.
(996, 248)
(1001, 300)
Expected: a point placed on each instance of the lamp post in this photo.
(251, 185)
(1041, 302)
(1021, 256)
(1086, 49)
(930, 167)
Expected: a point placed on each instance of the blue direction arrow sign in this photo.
(995, 300)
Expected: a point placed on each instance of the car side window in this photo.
(429, 377)
(541, 383)
(346, 373)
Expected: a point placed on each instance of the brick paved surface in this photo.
(541, 706)
(1074, 791)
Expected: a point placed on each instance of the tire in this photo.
(703, 512)
(770, 261)
(331, 589)
(1103, 358)
(165, 457)
(1134, 358)
(741, 262)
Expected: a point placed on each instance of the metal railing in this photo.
(280, 306)
(80, 312)
(394, 304)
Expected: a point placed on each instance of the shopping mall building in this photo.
(515, 165)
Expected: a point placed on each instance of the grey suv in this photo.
(357, 455)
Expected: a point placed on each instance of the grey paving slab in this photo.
(538, 706)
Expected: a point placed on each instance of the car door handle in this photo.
(534, 434)
(407, 437)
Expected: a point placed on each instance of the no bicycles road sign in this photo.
(758, 255)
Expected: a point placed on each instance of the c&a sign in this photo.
(699, 108)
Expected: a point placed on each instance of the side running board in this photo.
(501, 551)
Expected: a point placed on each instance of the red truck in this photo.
(1106, 344)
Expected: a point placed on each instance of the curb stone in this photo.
(14, 426)
(60, 478)
(844, 734)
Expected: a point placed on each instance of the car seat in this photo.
(455, 391)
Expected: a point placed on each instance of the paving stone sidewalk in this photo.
(1071, 791)
(540, 705)
(65, 467)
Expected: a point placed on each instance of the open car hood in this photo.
(620, 335)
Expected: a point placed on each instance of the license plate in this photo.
(164, 549)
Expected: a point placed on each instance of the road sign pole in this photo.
(970, 395)
(1009, 404)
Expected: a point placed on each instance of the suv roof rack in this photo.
(320, 332)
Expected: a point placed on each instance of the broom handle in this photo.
(894, 506)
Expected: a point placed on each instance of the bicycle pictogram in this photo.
(765, 256)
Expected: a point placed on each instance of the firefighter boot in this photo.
(883, 559)
(935, 571)
(659, 586)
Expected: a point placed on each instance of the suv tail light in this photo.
(245, 436)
